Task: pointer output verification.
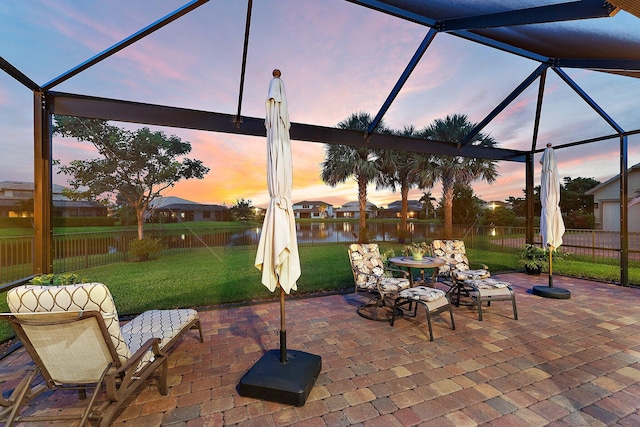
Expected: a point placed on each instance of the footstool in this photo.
(490, 289)
(433, 300)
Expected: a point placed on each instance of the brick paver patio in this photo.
(569, 362)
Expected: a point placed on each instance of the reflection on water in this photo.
(335, 232)
(307, 233)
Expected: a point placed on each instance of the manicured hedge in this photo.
(6, 222)
(83, 221)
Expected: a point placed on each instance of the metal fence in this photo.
(75, 251)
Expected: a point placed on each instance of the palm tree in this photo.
(398, 170)
(426, 202)
(452, 169)
(343, 162)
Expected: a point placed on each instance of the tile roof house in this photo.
(175, 209)
(414, 210)
(15, 197)
(606, 201)
(313, 209)
(352, 210)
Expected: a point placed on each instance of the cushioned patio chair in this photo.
(433, 300)
(372, 276)
(475, 284)
(74, 336)
(456, 269)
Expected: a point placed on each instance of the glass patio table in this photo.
(421, 264)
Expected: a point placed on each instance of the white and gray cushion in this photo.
(166, 325)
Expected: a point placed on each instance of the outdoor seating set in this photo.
(74, 336)
(393, 288)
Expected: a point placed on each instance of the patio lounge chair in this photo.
(475, 284)
(456, 268)
(74, 336)
(372, 276)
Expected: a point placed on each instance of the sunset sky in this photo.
(336, 58)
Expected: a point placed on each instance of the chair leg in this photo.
(453, 324)
(393, 314)
(479, 298)
(513, 303)
(429, 323)
(21, 397)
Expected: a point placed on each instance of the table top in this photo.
(425, 262)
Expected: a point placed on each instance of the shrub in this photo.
(56, 279)
(142, 249)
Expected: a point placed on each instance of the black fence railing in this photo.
(75, 251)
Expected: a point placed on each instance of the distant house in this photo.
(313, 209)
(414, 210)
(606, 201)
(16, 200)
(352, 210)
(175, 209)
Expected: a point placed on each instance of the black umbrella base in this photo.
(289, 383)
(549, 292)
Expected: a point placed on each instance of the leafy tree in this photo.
(243, 210)
(467, 207)
(500, 216)
(363, 163)
(518, 205)
(572, 194)
(135, 165)
(455, 169)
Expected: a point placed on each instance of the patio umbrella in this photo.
(277, 255)
(289, 378)
(551, 223)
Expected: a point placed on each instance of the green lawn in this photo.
(203, 278)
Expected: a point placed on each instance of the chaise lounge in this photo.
(74, 336)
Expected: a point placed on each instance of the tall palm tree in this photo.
(452, 169)
(398, 170)
(343, 162)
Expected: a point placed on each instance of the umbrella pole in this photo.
(551, 266)
(283, 330)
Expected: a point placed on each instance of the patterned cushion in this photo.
(367, 265)
(163, 324)
(471, 274)
(394, 285)
(453, 254)
(422, 293)
(85, 296)
(488, 284)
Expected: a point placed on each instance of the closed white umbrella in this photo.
(277, 255)
(290, 377)
(551, 223)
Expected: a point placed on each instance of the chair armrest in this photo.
(404, 273)
(478, 266)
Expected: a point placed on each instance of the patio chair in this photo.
(372, 276)
(74, 336)
(456, 269)
(475, 284)
(433, 300)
